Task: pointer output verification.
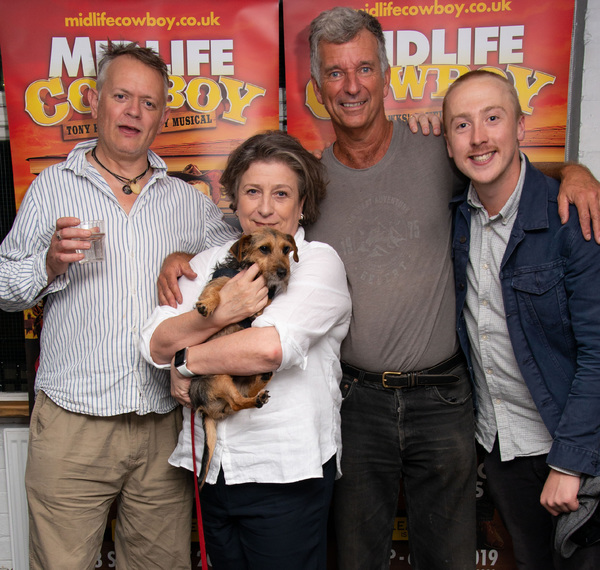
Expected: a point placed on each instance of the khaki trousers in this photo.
(77, 465)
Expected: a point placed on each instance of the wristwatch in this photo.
(181, 363)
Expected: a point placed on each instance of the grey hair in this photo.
(147, 56)
(338, 26)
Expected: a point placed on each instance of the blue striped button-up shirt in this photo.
(90, 361)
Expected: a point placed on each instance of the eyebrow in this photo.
(468, 115)
(370, 63)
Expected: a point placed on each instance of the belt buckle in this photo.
(384, 378)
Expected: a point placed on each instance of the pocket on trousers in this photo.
(43, 415)
(455, 394)
(347, 385)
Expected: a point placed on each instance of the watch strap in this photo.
(182, 368)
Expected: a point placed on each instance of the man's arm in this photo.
(174, 266)
(579, 187)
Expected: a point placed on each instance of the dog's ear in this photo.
(240, 246)
(292, 241)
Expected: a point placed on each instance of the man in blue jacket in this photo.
(528, 310)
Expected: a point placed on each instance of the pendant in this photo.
(135, 188)
(126, 189)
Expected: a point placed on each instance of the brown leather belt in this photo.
(434, 376)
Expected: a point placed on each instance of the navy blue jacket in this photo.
(550, 279)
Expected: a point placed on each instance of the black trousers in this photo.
(266, 526)
(515, 487)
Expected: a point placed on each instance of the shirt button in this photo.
(488, 371)
(484, 336)
(485, 266)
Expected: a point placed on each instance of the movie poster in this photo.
(431, 42)
(218, 94)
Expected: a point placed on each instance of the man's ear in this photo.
(93, 97)
(521, 128)
(166, 115)
(386, 78)
(448, 146)
(316, 90)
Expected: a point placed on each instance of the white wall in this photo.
(589, 140)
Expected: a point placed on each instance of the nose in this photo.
(351, 83)
(265, 207)
(478, 134)
(281, 272)
(134, 107)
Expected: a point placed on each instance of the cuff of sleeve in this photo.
(40, 276)
(565, 471)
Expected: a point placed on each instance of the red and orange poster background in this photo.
(224, 70)
(431, 42)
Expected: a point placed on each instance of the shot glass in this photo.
(96, 251)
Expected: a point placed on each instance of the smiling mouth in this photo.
(481, 158)
(352, 105)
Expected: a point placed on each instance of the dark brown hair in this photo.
(277, 146)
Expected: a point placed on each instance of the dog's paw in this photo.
(262, 398)
(266, 376)
(202, 309)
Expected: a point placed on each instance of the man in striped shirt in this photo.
(104, 422)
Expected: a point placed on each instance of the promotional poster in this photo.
(218, 94)
(431, 42)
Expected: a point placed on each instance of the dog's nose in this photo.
(281, 272)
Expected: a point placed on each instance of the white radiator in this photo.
(15, 449)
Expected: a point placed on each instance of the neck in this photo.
(365, 147)
(128, 167)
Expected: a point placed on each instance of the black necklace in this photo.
(129, 185)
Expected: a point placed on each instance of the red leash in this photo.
(198, 509)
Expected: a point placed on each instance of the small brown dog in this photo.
(217, 396)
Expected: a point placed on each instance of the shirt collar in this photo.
(78, 163)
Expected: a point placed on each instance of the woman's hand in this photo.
(180, 388)
(242, 296)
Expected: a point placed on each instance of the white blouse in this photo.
(298, 430)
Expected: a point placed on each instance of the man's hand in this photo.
(579, 187)
(424, 120)
(560, 493)
(180, 387)
(173, 267)
(64, 244)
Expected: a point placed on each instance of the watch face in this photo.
(180, 357)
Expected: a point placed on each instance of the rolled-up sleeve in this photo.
(315, 307)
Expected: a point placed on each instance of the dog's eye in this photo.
(265, 249)
(286, 250)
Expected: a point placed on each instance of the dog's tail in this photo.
(210, 441)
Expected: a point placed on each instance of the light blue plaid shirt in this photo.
(505, 405)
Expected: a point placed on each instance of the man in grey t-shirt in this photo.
(387, 215)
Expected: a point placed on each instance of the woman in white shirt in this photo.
(269, 484)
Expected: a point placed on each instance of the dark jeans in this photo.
(423, 436)
(265, 526)
(516, 487)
